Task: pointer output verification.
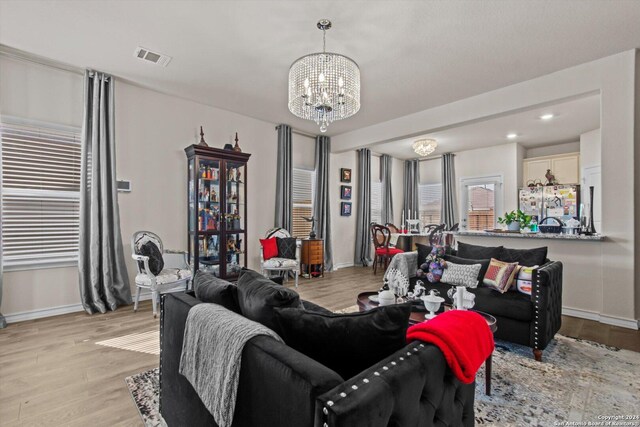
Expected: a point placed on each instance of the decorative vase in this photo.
(591, 230)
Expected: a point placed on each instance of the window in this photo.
(430, 200)
(376, 202)
(303, 190)
(481, 198)
(40, 193)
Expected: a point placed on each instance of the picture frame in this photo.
(345, 192)
(345, 209)
(345, 175)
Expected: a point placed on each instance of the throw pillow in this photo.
(156, 263)
(346, 343)
(286, 247)
(500, 275)
(423, 251)
(483, 262)
(209, 288)
(269, 248)
(468, 251)
(523, 282)
(535, 256)
(259, 296)
(461, 275)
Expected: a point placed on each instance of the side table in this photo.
(312, 256)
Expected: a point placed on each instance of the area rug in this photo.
(577, 381)
(144, 342)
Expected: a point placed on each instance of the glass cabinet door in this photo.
(235, 217)
(209, 214)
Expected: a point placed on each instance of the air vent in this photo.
(153, 57)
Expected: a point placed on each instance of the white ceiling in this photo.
(571, 119)
(414, 55)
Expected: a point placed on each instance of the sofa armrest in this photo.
(414, 386)
(546, 296)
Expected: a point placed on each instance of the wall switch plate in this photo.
(124, 186)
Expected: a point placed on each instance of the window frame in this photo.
(42, 263)
(498, 196)
(302, 205)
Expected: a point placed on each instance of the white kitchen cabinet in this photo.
(565, 167)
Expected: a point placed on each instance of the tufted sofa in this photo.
(281, 387)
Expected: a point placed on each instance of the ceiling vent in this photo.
(153, 57)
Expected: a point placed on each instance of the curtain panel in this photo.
(284, 182)
(3, 322)
(321, 208)
(362, 254)
(104, 282)
(411, 205)
(449, 210)
(387, 198)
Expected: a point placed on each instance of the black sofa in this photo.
(530, 320)
(281, 387)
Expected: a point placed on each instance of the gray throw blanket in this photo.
(214, 338)
(402, 267)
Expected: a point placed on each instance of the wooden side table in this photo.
(312, 256)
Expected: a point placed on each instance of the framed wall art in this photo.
(345, 175)
(345, 209)
(345, 192)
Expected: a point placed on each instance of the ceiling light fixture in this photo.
(512, 135)
(424, 147)
(324, 87)
(548, 116)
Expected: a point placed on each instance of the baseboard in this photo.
(342, 265)
(23, 316)
(602, 318)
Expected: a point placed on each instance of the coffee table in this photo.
(364, 304)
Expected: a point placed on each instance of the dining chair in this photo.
(383, 252)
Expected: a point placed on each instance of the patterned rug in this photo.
(145, 342)
(576, 382)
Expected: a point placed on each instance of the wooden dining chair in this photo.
(392, 228)
(383, 251)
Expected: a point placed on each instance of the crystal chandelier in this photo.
(324, 87)
(424, 147)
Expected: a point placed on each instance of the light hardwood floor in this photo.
(53, 374)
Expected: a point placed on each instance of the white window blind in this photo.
(303, 188)
(40, 193)
(430, 200)
(376, 202)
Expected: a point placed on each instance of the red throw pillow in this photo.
(269, 248)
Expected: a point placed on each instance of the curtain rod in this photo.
(36, 59)
(302, 133)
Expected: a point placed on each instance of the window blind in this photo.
(376, 202)
(430, 200)
(303, 186)
(40, 193)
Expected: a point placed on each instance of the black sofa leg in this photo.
(537, 354)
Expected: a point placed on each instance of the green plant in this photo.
(515, 216)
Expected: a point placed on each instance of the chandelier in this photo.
(424, 147)
(324, 87)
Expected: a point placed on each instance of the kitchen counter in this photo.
(596, 238)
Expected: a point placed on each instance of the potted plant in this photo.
(515, 220)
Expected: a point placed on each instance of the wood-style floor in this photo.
(53, 374)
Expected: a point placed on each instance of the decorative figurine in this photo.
(551, 178)
(202, 141)
(237, 147)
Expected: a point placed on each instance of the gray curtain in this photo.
(104, 283)
(411, 204)
(284, 191)
(363, 209)
(387, 197)
(3, 322)
(321, 208)
(449, 212)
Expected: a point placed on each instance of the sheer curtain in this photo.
(387, 198)
(363, 209)
(284, 196)
(411, 204)
(104, 283)
(449, 212)
(321, 208)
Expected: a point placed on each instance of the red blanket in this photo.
(463, 337)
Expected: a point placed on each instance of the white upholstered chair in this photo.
(175, 276)
(281, 265)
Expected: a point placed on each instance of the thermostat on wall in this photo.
(124, 186)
